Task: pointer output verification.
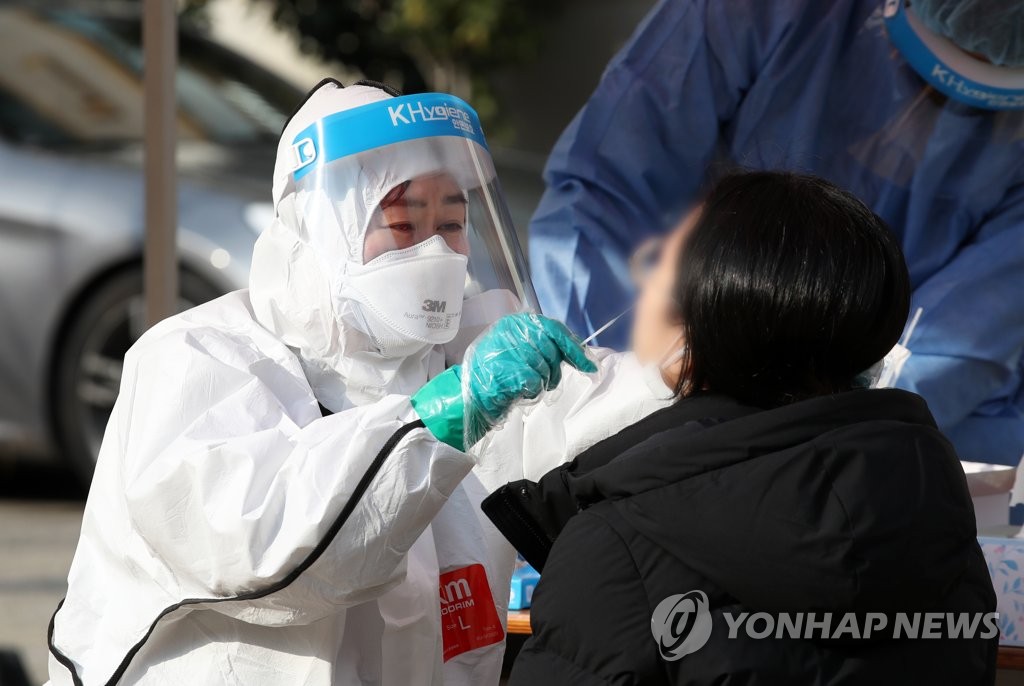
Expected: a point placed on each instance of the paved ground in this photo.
(40, 514)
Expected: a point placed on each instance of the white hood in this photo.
(297, 283)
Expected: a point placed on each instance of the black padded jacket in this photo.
(851, 503)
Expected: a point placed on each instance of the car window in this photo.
(69, 78)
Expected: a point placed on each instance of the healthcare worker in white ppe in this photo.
(283, 494)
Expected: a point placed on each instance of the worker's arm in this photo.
(586, 408)
(233, 481)
(638, 152)
(966, 348)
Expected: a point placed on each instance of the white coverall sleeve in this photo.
(231, 478)
(538, 436)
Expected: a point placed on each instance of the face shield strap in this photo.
(378, 124)
(950, 70)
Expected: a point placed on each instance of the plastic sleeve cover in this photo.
(516, 359)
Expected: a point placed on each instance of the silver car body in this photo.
(67, 221)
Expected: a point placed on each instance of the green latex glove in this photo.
(439, 404)
(517, 358)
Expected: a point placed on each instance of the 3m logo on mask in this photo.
(412, 112)
(434, 305)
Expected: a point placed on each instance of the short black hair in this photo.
(787, 287)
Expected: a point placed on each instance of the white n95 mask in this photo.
(411, 296)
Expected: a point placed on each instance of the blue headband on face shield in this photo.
(950, 70)
(407, 118)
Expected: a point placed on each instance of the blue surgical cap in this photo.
(993, 28)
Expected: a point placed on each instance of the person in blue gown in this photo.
(918, 108)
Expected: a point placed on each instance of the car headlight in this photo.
(259, 216)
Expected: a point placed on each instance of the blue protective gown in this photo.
(816, 87)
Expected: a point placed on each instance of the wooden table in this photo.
(519, 622)
(1008, 658)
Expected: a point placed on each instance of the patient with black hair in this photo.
(775, 482)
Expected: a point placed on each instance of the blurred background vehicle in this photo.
(71, 213)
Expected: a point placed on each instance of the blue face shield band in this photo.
(406, 118)
(950, 70)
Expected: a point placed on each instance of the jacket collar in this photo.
(708, 432)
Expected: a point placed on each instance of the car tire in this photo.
(87, 363)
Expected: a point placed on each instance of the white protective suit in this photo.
(237, 534)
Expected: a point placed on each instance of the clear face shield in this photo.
(410, 188)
